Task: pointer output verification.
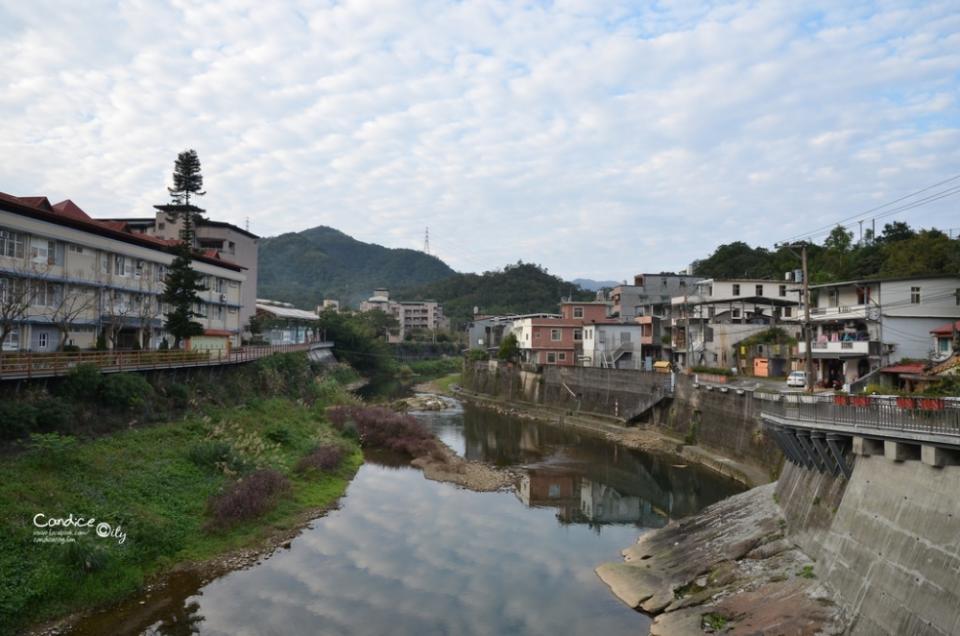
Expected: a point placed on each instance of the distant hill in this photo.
(305, 267)
(594, 285)
(521, 288)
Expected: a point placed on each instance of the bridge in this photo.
(31, 365)
(818, 432)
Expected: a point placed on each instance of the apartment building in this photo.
(66, 278)
(650, 294)
(230, 242)
(709, 321)
(862, 325)
(424, 316)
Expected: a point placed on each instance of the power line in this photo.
(865, 213)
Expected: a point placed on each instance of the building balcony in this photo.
(842, 349)
(843, 312)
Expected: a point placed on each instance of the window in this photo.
(555, 335)
(914, 295)
(943, 345)
(957, 297)
(711, 312)
(624, 336)
(551, 357)
(736, 289)
(161, 225)
(578, 312)
(863, 295)
(759, 290)
(138, 272)
(710, 290)
(120, 265)
(833, 297)
(577, 335)
(562, 356)
(736, 313)
(47, 294)
(787, 312)
(708, 334)
(218, 312)
(42, 340)
(76, 249)
(12, 342)
(783, 291)
(40, 251)
(159, 273)
(536, 334)
(11, 243)
(220, 282)
(683, 286)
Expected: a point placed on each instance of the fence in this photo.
(877, 412)
(28, 365)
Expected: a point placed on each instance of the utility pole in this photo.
(807, 336)
(805, 295)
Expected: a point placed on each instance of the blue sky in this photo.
(597, 138)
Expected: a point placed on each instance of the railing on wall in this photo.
(940, 416)
(26, 365)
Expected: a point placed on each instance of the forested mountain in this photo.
(897, 251)
(305, 267)
(594, 285)
(520, 288)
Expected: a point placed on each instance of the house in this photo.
(716, 315)
(425, 316)
(860, 326)
(612, 345)
(487, 332)
(232, 243)
(554, 341)
(66, 276)
(946, 340)
(285, 324)
(649, 291)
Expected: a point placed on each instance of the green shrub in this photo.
(70, 348)
(54, 414)
(217, 455)
(101, 342)
(16, 419)
(279, 435)
(52, 448)
(86, 556)
(82, 383)
(179, 394)
(124, 390)
(477, 355)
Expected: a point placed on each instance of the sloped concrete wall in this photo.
(892, 550)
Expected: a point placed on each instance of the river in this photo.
(404, 555)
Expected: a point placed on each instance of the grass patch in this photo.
(162, 485)
(806, 572)
(716, 622)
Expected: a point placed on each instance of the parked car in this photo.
(797, 378)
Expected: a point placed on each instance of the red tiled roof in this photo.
(910, 367)
(947, 329)
(69, 214)
(71, 209)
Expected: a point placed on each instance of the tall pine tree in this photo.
(182, 284)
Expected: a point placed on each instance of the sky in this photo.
(599, 139)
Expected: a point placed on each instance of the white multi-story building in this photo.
(862, 325)
(425, 316)
(717, 314)
(65, 278)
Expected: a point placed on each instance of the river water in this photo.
(404, 555)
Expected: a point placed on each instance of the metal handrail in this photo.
(883, 412)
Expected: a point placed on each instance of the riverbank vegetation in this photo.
(243, 455)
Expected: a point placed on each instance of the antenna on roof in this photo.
(426, 241)
(246, 224)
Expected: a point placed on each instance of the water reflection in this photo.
(404, 555)
(587, 479)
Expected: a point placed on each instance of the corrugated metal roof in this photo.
(288, 312)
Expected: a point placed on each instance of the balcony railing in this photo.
(843, 348)
(840, 312)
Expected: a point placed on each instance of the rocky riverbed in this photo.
(730, 569)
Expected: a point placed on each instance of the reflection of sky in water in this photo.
(410, 556)
(404, 555)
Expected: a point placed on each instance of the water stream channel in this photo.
(404, 555)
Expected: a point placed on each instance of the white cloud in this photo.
(599, 139)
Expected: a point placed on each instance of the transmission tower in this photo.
(426, 241)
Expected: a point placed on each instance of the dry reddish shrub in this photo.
(324, 458)
(249, 498)
(380, 427)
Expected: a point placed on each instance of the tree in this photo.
(181, 293)
(70, 304)
(509, 348)
(187, 181)
(839, 240)
(16, 296)
(116, 309)
(896, 231)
